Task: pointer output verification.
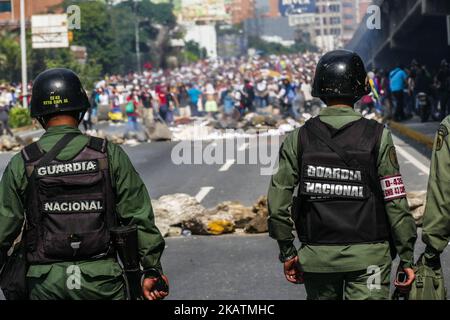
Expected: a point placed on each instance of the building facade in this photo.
(31, 7)
(241, 10)
(328, 26)
(361, 10)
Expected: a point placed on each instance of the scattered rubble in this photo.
(259, 223)
(208, 224)
(159, 131)
(241, 214)
(131, 138)
(226, 127)
(180, 214)
(8, 143)
(177, 213)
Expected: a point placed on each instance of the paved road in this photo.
(231, 181)
(230, 267)
(428, 128)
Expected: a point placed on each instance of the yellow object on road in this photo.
(115, 116)
(217, 227)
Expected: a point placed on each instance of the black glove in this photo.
(431, 258)
(161, 285)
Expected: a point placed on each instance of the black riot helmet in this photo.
(340, 74)
(56, 91)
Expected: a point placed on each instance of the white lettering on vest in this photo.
(332, 189)
(73, 167)
(333, 173)
(73, 206)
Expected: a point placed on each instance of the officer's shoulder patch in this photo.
(393, 157)
(441, 134)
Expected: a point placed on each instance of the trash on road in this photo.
(181, 214)
(8, 143)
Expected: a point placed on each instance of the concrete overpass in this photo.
(410, 29)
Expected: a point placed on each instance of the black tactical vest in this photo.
(70, 205)
(340, 201)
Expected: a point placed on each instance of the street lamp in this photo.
(136, 37)
(23, 49)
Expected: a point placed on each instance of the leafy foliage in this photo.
(19, 117)
(9, 57)
(108, 33)
(193, 52)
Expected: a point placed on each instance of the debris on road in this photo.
(207, 224)
(8, 143)
(159, 131)
(252, 124)
(240, 213)
(259, 223)
(181, 214)
(178, 213)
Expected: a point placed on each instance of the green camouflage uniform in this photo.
(327, 268)
(100, 279)
(436, 223)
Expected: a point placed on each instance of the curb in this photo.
(25, 128)
(412, 134)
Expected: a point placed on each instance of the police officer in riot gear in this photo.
(351, 202)
(68, 191)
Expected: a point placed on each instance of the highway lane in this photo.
(232, 181)
(231, 266)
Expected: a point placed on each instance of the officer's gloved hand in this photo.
(293, 271)
(155, 288)
(404, 285)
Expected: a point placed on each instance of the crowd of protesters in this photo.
(396, 92)
(251, 84)
(237, 86)
(207, 88)
(9, 97)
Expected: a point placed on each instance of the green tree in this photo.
(108, 32)
(97, 34)
(19, 117)
(9, 57)
(89, 73)
(193, 52)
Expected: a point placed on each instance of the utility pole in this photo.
(12, 11)
(23, 49)
(136, 36)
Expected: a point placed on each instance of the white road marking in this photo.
(243, 146)
(227, 165)
(413, 161)
(203, 193)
